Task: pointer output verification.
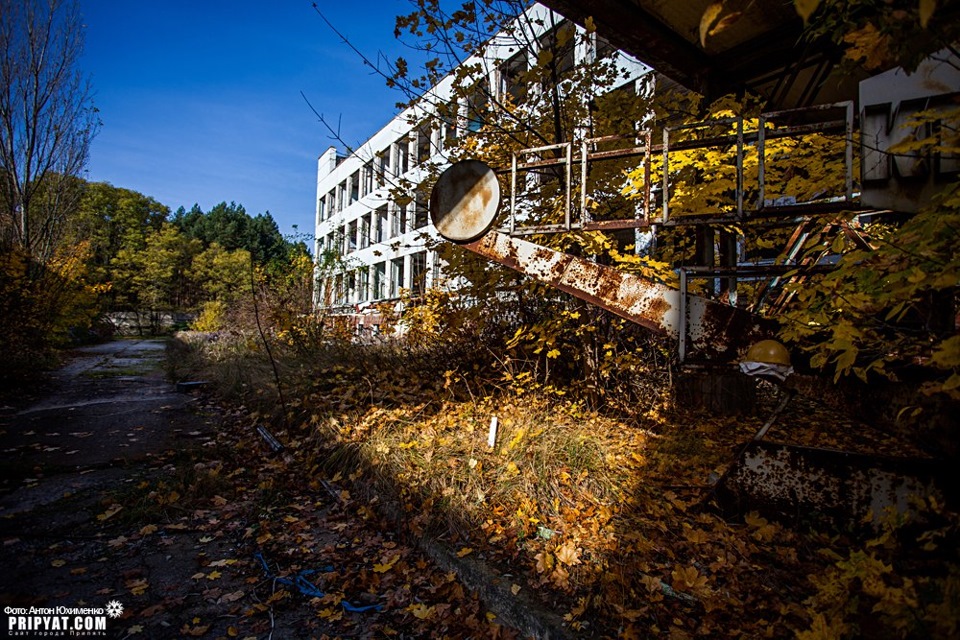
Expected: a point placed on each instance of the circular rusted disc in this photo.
(464, 201)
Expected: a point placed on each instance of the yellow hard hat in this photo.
(768, 352)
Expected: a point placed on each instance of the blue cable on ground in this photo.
(307, 588)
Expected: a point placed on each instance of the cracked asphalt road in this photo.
(109, 418)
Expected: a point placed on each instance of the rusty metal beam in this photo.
(715, 330)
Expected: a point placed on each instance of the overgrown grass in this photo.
(595, 508)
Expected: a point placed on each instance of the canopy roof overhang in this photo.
(762, 51)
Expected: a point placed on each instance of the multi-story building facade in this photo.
(377, 232)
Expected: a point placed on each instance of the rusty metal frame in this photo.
(643, 147)
(821, 126)
(566, 162)
(738, 138)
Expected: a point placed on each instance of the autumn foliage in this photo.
(596, 509)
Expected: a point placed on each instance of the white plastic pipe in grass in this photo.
(492, 434)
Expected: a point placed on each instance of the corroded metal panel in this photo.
(834, 485)
(465, 201)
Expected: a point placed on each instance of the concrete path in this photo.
(111, 406)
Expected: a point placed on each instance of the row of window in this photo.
(379, 281)
(374, 227)
(396, 160)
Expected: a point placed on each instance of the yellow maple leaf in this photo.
(137, 587)
(420, 610)
(696, 536)
(385, 566)
(805, 8)
(214, 575)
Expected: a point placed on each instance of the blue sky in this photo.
(200, 99)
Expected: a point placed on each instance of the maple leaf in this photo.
(688, 578)
(545, 562)
(109, 513)
(568, 553)
(560, 577)
(137, 587)
(223, 563)
(420, 610)
(696, 536)
(232, 596)
(195, 631)
(763, 530)
(214, 575)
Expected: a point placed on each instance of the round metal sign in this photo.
(465, 201)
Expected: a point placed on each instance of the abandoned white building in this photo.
(381, 243)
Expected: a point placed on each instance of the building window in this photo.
(449, 114)
(399, 221)
(396, 277)
(365, 231)
(380, 224)
(351, 240)
(363, 293)
(421, 214)
(383, 167)
(355, 186)
(561, 42)
(511, 77)
(351, 287)
(477, 106)
(402, 147)
(321, 209)
(423, 143)
(418, 273)
(379, 280)
(367, 179)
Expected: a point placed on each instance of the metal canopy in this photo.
(763, 51)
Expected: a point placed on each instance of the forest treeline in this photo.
(122, 250)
